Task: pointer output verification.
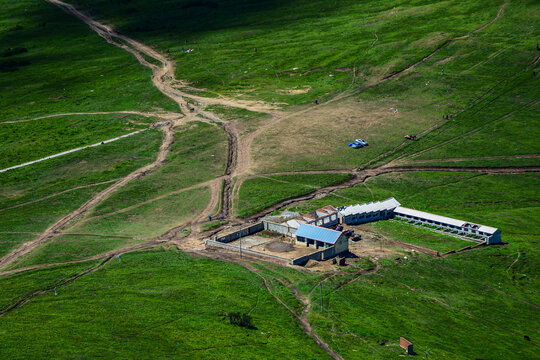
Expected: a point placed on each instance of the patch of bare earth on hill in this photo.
(300, 137)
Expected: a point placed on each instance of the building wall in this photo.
(495, 238)
(342, 244)
(326, 221)
(319, 255)
(279, 228)
(356, 219)
(240, 233)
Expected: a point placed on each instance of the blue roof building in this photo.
(318, 237)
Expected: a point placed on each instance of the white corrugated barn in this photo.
(373, 211)
(488, 234)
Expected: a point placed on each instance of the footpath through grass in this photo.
(32, 140)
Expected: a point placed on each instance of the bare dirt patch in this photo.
(299, 90)
(279, 246)
(342, 69)
(338, 124)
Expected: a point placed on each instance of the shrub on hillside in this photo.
(241, 319)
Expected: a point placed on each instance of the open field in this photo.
(162, 302)
(118, 230)
(259, 193)
(44, 191)
(51, 136)
(198, 155)
(148, 220)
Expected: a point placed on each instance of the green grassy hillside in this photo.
(464, 77)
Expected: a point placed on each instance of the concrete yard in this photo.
(273, 246)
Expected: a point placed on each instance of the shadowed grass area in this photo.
(67, 67)
(265, 49)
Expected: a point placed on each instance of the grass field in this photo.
(422, 237)
(197, 155)
(51, 136)
(161, 303)
(148, 220)
(34, 197)
(259, 193)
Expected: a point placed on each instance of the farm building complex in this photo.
(325, 217)
(318, 235)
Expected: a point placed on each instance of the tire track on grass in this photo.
(59, 193)
(73, 150)
(164, 116)
(25, 299)
(301, 319)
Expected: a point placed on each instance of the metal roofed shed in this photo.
(364, 213)
(488, 234)
(321, 237)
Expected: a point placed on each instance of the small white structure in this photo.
(487, 234)
(373, 211)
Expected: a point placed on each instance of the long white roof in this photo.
(388, 204)
(442, 219)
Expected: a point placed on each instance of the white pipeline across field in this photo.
(72, 151)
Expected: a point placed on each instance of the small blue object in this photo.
(209, 218)
(362, 142)
(182, 49)
(55, 290)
